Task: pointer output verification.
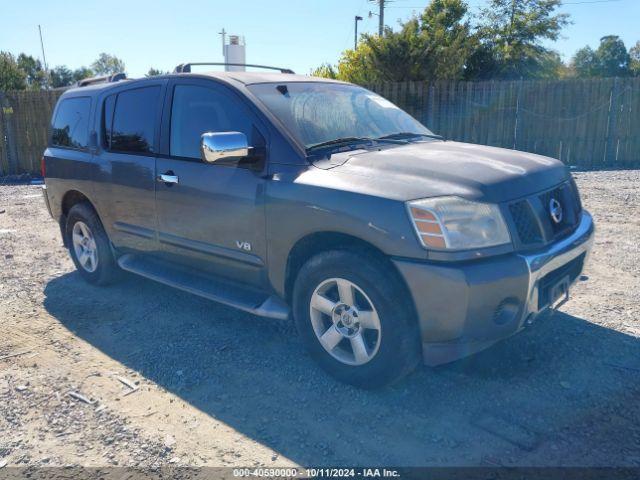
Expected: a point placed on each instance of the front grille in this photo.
(532, 217)
(525, 222)
(565, 196)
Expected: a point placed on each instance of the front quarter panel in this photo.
(298, 206)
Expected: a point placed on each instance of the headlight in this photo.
(453, 223)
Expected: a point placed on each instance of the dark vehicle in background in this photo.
(281, 194)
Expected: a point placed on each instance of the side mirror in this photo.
(216, 146)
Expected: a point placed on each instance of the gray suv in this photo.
(286, 195)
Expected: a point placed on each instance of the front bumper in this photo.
(468, 306)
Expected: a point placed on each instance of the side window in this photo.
(134, 119)
(196, 110)
(107, 120)
(71, 125)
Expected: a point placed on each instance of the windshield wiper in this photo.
(401, 135)
(340, 141)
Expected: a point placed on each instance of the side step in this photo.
(232, 294)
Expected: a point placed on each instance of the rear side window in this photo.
(130, 128)
(71, 125)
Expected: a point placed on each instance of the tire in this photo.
(392, 346)
(99, 268)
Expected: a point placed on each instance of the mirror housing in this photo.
(216, 146)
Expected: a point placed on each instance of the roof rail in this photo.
(103, 79)
(186, 67)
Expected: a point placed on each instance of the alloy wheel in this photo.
(345, 321)
(84, 246)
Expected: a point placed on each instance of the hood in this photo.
(434, 168)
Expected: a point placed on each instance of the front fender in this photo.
(294, 211)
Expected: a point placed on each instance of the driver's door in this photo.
(210, 216)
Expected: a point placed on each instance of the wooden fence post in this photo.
(612, 123)
(11, 153)
(515, 125)
(4, 167)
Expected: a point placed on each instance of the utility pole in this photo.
(380, 15)
(44, 59)
(223, 33)
(355, 39)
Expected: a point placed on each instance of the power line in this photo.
(589, 1)
(584, 2)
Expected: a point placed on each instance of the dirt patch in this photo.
(213, 386)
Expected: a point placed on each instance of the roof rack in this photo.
(103, 79)
(186, 67)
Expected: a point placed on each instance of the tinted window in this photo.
(107, 120)
(71, 125)
(134, 120)
(197, 110)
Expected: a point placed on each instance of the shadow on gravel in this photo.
(564, 392)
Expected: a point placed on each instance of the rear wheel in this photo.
(89, 246)
(355, 320)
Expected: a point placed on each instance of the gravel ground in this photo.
(212, 386)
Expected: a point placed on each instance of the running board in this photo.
(227, 293)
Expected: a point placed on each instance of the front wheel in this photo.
(354, 318)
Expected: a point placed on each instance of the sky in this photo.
(300, 35)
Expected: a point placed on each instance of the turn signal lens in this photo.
(428, 228)
(454, 223)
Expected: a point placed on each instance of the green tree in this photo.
(610, 59)
(613, 58)
(12, 77)
(357, 65)
(61, 76)
(634, 56)
(395, 56)
(82, 73)
(512, 32)
(585, 63)
(154, 72)
(447, 41)
(107, 65)
(36, 77)
(434, 45)
(325, 70)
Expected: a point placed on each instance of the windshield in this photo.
(316, 113)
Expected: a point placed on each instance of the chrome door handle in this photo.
(168, 178)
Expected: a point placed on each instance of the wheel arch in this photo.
(314, 243)
(69, 199)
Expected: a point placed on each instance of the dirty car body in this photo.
(477, 240)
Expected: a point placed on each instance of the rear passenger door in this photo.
(125, 183)
(212, 219)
